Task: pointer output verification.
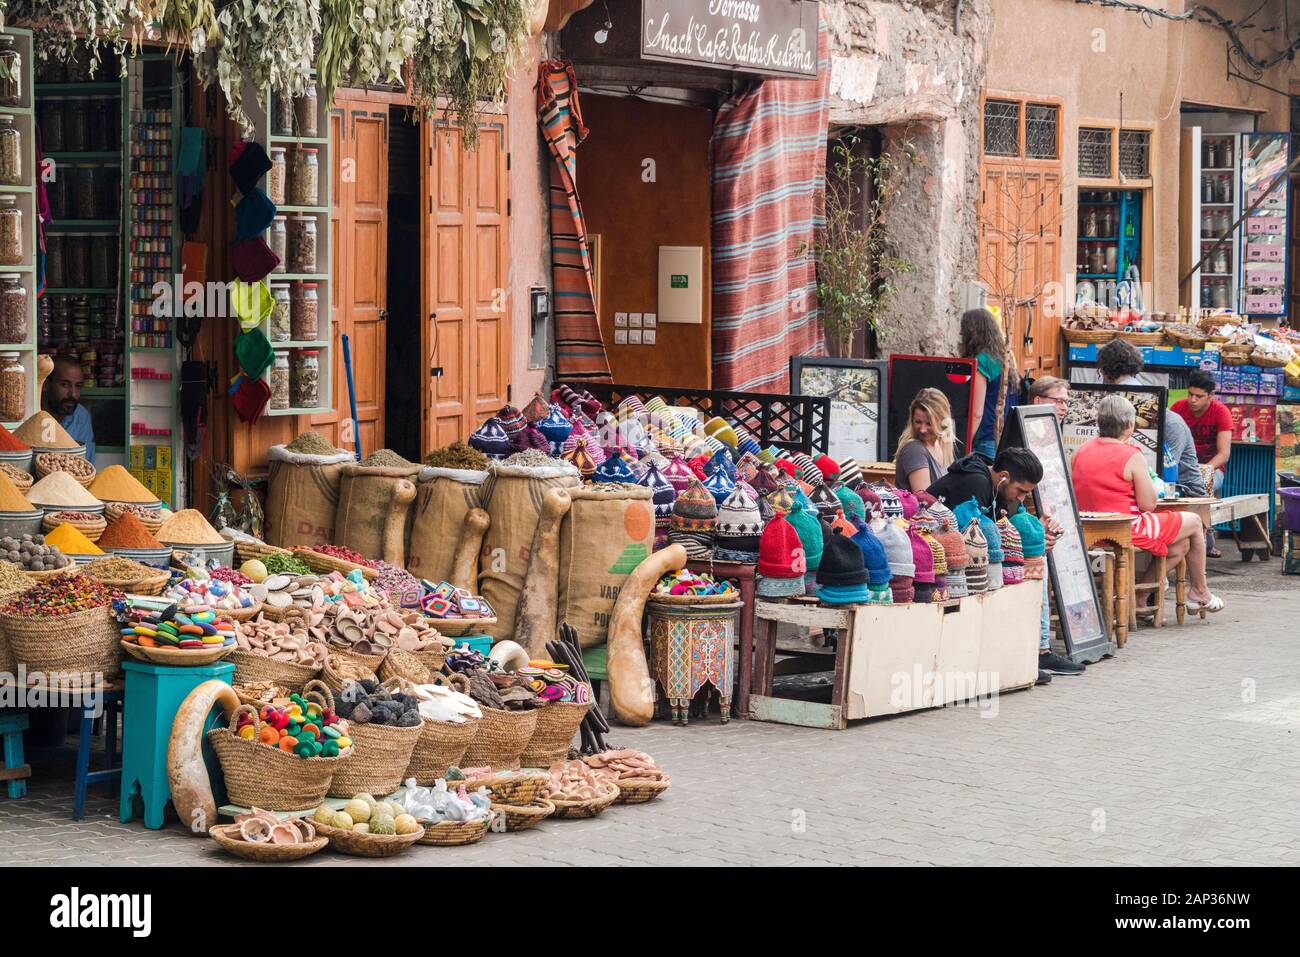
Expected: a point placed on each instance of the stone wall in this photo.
(909, 69)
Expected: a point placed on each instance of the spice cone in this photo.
(60, 488)
(11, 443)
(12, 500)
(128, 532)
(42, 431)
(189, 527)
(116, 484)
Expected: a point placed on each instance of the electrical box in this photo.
(681, 284)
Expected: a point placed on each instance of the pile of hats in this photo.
(687, 583)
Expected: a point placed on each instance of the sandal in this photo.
(1213, 605)
(1214, 553)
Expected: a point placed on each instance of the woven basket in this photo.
(250, 667)
(83, 643)
(557, 723)
(46, 576)
(639, 792)
(246, 698)
(227, 836)
(42, 469)
(146, 585)
(335, 679)
(243, 614)
(383, 752)
(441, 745)
(1142, 338)
(287, 613)
(456, 833)
(358, 844)
(328, 563)
(1236, 350)
(522, 817)
(1234, 359)
(513, 789)
(1265, 361)
(247, 550)
(432, 659)
(682, 600)
(1084, 337)
(1184, 340)
(584, 809)
(501, 739)
(22, 480)
(92, 526)
(113, 511)
(366, 661)
(403, 664)
(182, 657)
(458, 627)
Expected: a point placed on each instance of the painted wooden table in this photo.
(742, 576)
(1114, 531)
(1244, 510)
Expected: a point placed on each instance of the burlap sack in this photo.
(606, 534)
(443, 497)
(365, 501)
(302, 497)
(512, 496)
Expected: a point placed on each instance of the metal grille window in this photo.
(1094, 152)
(1040, 130)
(1135, 154)
(1001, 128)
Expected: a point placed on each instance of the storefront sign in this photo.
(755, 36)
(857, 391)
(1149, 403)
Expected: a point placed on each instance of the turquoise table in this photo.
(153, 696)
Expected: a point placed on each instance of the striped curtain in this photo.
(769, 177)
(579, 351)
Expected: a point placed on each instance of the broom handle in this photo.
(352, 394)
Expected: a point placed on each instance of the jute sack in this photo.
(365, 504)
(512, 496)
(607, 532)
(302, 497)
(443, 497)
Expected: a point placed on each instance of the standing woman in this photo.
(995, 376)
(925, 449)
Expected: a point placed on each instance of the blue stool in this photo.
(111, 701)
(16, 771)
(154, 695)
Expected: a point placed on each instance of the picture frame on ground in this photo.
(858, 390)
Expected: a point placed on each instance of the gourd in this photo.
(539, 601)
(631, 689)
(187, 775)
(464, 563)
(394, 541)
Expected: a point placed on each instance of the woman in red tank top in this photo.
(1110, 475)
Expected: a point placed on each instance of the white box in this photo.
(681, 284)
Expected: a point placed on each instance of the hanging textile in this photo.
(579, 351)
(768, 154)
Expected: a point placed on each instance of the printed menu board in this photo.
(1149, 404)
(857, 390)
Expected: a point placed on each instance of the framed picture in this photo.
(857, 389)
(955, 378)
(1036, 428)
(1150, 402)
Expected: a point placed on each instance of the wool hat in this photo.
(842, 564)
(696, 464)
(765, 510)
(938, 557)
(844, 594)
(826, 502)
(718, 428)
(614, 471)
(1035, 568)
(768, 455)
(977, 553)
(908, 501)
(786, 466)
(780, 560)
(695, 510)
(898, 550)
(721, 459)
(809, 530)
(739, 526)
(555, 426)
(958, 587)
(902, 589)
(1013, 559)
(631, 408)
(664, 495)
(698, 545)
(966, 512)
(829, 468)
(870, 500)
(850, 473)
(589, 444)
(747, 467)
(1033, 543)
(679, 474)
(954, 549)
(922, 558)
(851, 502)
(491, 439)
(992, 535)
(942, 515)
(511, 419)
(580, 458)
(873, 555)
(879, 594)
(720, 486)
(782, 501)
(841, 525)
(530, 437)
(763, 481)
(925, 499)
(996, 579)
(537, 409)
(806, 469)
(890, 504)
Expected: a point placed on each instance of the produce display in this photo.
(88, 523)
(368, 702)
(70, 540)
(32, 553)
(364, 814)
(301, 728)
(280, 565)
(115, 568)
(12, 578)
(159, 623)
(61, 595)
(74, 465)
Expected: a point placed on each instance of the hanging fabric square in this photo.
(252, 259)
(252, 303)
(254, 353)
(254, 214)
(248, 164)
(250, 399)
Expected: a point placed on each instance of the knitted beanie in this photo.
(491, 439)
(738, 523)
(826, 501)
(664, 495)
(958, 587)
(850, 474)
(942, 514)
(809, 530)
(778, 548)
(840, 525)
(782, 501)
(696, 464)
(995, 577)
(842, 564)
(843, 594)
(1033, 542)
(898, 549)
(829, 468)
(512, 420)
(765, 510)
(786, 467)
(698, 545)
(679, 474)
(851, 502)
(537, 409)
(902, 589)
(922, 558)
(890, 503)
(1036, 568)
(555, 426)
(531, 437)
(719, 429)
(873, 555)
(1013, 558)
(908, 501)
(937, 554)
(763, 481)
(580, 458)
(747, 467)
(879, 594)
(720, 486)
(768, 455)
(925, 499)
(977, 552)
(721, 459)
(614, 471)
(806, 469)
(870, 500)
(695, 510)
(992, 535)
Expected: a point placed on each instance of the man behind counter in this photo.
(61, 397)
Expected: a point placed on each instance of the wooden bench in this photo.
(1242, 512)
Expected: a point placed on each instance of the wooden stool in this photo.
(16, 770)
(1159, 587)
(1114, 533)
(1180, 593)
(1102, 562)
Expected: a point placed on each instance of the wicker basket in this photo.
(227, 836)
(501, 739)
(246, 698)
(639, 792)
(433, 659)
(403, 664)
(513, 789)
(114, 510)
(522, 817)
(320, 562)
(584, 809)
(81, 644)
(383, 752)
(1266, 361)
(181, 657)
(359, 844)
(459, 627)
(42, 469)
(1184, 340)
(287, 613)
(22, 480)
(250, 667)
(146, 585)
(243, 614)
(557, 723)
(247, 550)
(92, 526)
(1084, 337)
(680, 600)
(1142, 338)
(335, 678)
(46, 576)
(258, 775)
(1236, 352)
(441, 745)
(456, 833)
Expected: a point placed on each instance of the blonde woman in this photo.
(925, 449)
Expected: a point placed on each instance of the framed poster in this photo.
(908, 375)
(1036, 428)
(1149, 401)
(858, 391)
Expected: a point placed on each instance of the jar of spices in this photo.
(103, 261)
(52, 126)
(103, 124)
(276, 176)
(76, 257)
(282, 115)
(281, 314)
(11, 152)
(13, 388)
(110, 192)
(11, 72)
(11, 232)
(13, 310)
(277, 237)
(306, 177)
(305, 312)
(305, 391)
(80, 316)
(302, 245)
(280, 381)
(55, 270)
(89, 200)
(304, 111)
(76, 126)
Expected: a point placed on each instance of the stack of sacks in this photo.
(923, 559)
(850, 474)
(842, 577)
(825, 501)
(720, 486)
(977, 555)
(491, 439)
(851, 503)
(890, 504)
(877, 562)
(829, 468)
(679, 474)
(739, 527)
(902, 566)
(1033, 543)
(939, 560)
(664, 495)
(810, 533)
(806, 469)
(694, 521)
(1013, 557)
(780, 560)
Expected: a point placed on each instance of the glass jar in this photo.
(11, 152)
(13, 388)
(11, 72)
(276, 176)
(282, 115)
(305, 379)
(1219, 261)
(76, 126)
(1223, 189)
(1090, 222)
(305, 312)
(52, 126)
(277, 237)
(1107, 222)
(89, 199)
(76, 257)
(13, 310)
(56, 276)
(280, 381)
(103, 124)
(11, 232)
(79, 321)
(305, 184)
(281, 313)
(302, 245)
(103, 261)
(304, 111)
(110, 192)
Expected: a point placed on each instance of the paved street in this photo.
(1181, 750)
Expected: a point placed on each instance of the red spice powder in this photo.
(11, 443)
(127, 532)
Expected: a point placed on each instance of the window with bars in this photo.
(1135, 154)
(1094, 152)
(1040, 130)
(1001, 128)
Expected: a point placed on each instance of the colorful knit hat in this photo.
(825, 501)
(924, 499)
(809, 530)
(512, 420)
(763, 481)
(870, 500)
(721, 430)
(768, 455)
(851, 502)
(786, 467)
(908, 502)
(873, 555)
(747, 467)
(679, 474)
(696, 465)
(942, 514)
(850, 473)
(977, 554)
(842, 564)
(631, 408)
(898, 548)
(1013, 557)
(966, 512)
(530, 437)
(491, 439)
(1033, 542)
(890, 504)
(958, 587)
(537, 409)
(841, 525)
(580, 458)
(938, 556)
(695, 510)
(555, 426)
(829, 468)
(614, 471)
(781, 562)
(922, 557)
(739, 526)
(782, 501)
(664, 495)
(806, 469)
(721, 459)
(720, 486)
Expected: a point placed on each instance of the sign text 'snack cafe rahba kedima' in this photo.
(763, 36)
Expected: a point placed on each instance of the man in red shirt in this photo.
(1211, 426)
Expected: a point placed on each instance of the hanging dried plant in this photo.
(365, 42)
(118, 24)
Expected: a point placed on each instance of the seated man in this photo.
(1211, 426)
(1110, 474)
(61, 397)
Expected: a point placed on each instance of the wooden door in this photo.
(359, 197)
(466, 335)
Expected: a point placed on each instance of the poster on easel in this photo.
(857, 389)
(955, 378)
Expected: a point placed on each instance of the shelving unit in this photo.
(1264, 241)
(1109, 240)
(24, 120)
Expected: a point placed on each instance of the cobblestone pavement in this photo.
(1180, 750)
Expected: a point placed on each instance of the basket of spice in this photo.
(127, 576)
(21, 478)
(65, 625)
(17, 515)
(146, 516)
(68, 539)
(246, 551)
(127, 536)
(16, 454)
(88, 523)
(13, 581)
(74, 465)
(116, 486)
(188, 529)
(59, 491)
(335, 558)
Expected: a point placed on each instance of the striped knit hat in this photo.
(679, 474)
(870, 500)
(1013, 556)
(531, 437)
(958, 587)
(890, 504)
(923, 558)
(537, 409)
(721, 430)
(977, 554)
(663, 493)
(614, 471)
(555, 426)
(850, 473)
(695, 510)
(720, 486)
(512, 420)
(938, 556)
(738, 523)
(580, 458)
(491, 439)
(806, 470)
(768, 455)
